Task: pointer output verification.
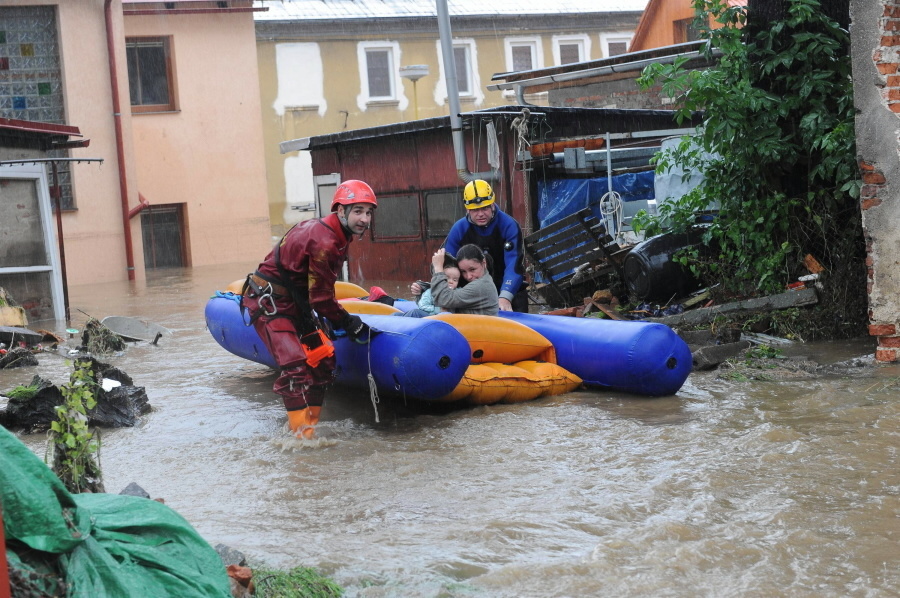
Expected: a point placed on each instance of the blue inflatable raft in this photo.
(644, 358)
(420, 359)
(425, 359)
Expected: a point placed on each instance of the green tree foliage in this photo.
(73, 444)
(776, 147)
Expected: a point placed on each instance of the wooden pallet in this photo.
(573, 251)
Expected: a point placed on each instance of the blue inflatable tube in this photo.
(644, 358)
(413, 357)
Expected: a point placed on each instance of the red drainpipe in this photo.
(120, 144)
(140, 207)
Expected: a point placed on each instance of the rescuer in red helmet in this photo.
(291, 301)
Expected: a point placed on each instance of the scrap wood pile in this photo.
(696, 306)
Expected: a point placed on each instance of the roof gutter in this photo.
(597, 71)
(459, 148)
(120, 138)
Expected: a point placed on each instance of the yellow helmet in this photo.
(477, 194)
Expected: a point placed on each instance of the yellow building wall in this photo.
(208, 154)
(312, 87)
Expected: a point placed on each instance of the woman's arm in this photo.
(471, 296)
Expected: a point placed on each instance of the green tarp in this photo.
(100, 544)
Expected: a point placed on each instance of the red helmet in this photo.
(351, 192)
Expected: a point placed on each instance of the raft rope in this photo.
(519, 126)
(373, 389)
(611, 202)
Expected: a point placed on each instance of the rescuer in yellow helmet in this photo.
(498, 234)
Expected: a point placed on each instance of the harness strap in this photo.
(301, 299)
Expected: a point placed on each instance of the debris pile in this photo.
(119, 402)
(97, 339)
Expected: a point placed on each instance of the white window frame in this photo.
(325, 186)
(393, 49)
(467, 51)
(607, 38)
(476, 93)
(537, 51)
(583, 41)
(38, 174)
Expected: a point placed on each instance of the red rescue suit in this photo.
(311, 256)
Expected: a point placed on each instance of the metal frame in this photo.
(38, 174)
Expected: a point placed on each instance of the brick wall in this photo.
(876, 191)
(886, 55)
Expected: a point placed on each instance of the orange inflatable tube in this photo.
(491, 338)
(342, 290)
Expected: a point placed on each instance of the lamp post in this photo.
(414, 73)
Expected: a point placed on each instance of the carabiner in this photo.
(263, 298)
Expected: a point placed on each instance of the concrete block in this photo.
(704, 315)
(709, 357)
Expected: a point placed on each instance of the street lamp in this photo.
(414, 73)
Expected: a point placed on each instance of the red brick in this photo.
(887, 68)
(882, 329)
(870, 261)
(892, 11)
(889, 41)
(874, 178)
(866, 166)
(886, 355)
(870, 203)
(868, 191)
(891, 342)
(894, 107)
(892, 94)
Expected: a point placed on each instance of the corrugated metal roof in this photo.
(287, 10)
(563, 122)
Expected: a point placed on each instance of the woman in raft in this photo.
(478, 296)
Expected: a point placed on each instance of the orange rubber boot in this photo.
(303, 422)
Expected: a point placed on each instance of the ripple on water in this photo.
(726, 489)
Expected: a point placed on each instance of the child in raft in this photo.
(425, 303)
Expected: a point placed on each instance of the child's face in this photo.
(452, 277)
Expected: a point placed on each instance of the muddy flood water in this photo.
(726, 489)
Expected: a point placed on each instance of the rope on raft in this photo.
(373, 389)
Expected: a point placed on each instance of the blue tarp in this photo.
(562, 197)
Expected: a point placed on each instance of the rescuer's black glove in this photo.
(357, 330)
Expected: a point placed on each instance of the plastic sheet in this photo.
(100, 544)
(559, 198)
